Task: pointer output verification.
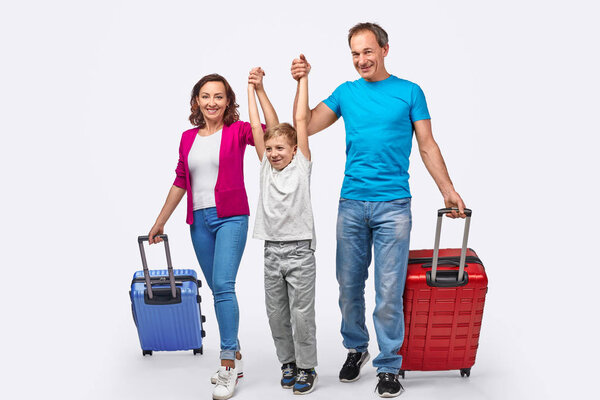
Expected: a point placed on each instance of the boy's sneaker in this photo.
(239, 366)
(388, 385)
(350, 371)
(305, 381)
(288, 375)
(225, 385)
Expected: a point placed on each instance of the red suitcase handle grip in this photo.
(443, 211)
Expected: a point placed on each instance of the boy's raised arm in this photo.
(255, 84)
(268, 110)
(301, 116)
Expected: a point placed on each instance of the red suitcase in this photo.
(443, 306)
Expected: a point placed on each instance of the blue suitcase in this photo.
(166, 306)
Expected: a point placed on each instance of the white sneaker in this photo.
(239, 367)
(225, 385)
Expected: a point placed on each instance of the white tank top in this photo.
(203, 161)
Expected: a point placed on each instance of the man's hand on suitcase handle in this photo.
(453, 200)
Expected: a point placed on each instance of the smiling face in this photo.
(280, 151)
(368, 57)
(212, 101)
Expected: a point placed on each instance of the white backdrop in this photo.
(94, 96)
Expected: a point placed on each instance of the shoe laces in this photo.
(302, 375)
(353, 359)
(288, 371)
(387, 377)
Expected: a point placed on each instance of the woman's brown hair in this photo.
(231, 113)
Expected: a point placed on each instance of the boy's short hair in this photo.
(284, 129)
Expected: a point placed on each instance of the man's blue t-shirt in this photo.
(379, 120)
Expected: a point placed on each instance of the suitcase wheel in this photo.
(148, 352)
(465, 372)
(203, 333)
(401, 373)
(198, 351)
(203, 318)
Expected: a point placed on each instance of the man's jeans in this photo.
(385, 226)
(219, 244)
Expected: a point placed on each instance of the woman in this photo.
(210, 171)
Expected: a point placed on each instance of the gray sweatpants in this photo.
(290, 300)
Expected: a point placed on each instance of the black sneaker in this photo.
(350, 371)
(288, 375)
(388, 385)
(305, 381)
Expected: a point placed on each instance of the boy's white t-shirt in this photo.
(284, 209)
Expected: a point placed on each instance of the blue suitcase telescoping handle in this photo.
(141, 240)
(436, 247)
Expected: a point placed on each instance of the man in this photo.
(380, 113)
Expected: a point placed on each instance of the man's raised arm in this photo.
(319, 117)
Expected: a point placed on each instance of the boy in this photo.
(284, 219)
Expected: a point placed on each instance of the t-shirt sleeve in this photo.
(264, 158)
(304, 163)
(418, 108)
(333, 101)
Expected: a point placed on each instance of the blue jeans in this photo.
(385, 226)
(219, 244)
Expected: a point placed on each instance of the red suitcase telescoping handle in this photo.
(141, 240)
(436, 247)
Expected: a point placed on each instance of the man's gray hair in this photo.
(380, 34)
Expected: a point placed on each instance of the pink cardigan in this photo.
(230, 193)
